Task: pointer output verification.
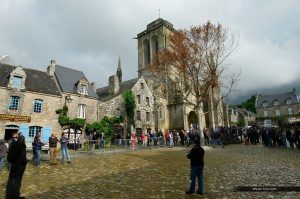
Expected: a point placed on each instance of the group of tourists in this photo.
(15, 154)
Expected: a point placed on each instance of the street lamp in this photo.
(68, 99)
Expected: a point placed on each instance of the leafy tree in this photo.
(192, 65)
(129, 105)
(249, 104)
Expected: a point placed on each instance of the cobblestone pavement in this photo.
(164, 173)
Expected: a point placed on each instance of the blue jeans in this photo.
(65, 153)
(37, 158)
(218, 141)
(1, 162)
(196, 172)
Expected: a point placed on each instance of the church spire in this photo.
(119, 70)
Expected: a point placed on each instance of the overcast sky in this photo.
(90, 35)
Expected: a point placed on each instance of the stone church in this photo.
(170, 114)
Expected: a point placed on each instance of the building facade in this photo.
(241, 117)
(171, 113)
(276, 108)
(111, 100)
(28, 100)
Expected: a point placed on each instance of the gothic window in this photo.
(81, 111)
(154, 44)
(142, 85)
(147, 101)
(138, 115)
(14, 103)
(33, 130)
(146, 52)
(38, 106)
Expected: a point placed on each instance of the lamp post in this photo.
(69, 100)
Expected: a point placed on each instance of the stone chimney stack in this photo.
(113, 84)
(51, 68)
(93, 84)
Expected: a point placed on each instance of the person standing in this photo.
(10, 141)
(17, 157)
(196, 155)
(53, 149)
(37, 149)
(64, 148)
(3, 152)
(144, 139)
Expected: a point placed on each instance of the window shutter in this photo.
(24, 128)
(47, 133)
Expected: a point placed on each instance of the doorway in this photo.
(9, 130)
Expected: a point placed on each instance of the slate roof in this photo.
(67, 79)
(36, 81)
(281, 97)
(245, 112)
(124, 86)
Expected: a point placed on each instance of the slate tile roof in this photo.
(67, 79)
(281, 97)
(36, 81)
(104, 95)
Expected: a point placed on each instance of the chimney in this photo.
(51, 68)
(93, 84)
(113, 84)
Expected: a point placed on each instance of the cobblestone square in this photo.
(164, 173)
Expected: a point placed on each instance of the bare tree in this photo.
(193, 66)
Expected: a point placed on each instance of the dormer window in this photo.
(82, 89)
(276, 103)
(17, 78)
(265, 104)
(288, 101)
(17, 82)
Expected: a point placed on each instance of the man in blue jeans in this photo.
(196, 155)
(64, 148)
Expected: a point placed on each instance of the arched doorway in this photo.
(9, 130)
(193, 120)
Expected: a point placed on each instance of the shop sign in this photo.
(15, 118)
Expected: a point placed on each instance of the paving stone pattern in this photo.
(164, 173)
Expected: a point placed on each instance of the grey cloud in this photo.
(91, 35)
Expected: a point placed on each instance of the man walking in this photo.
(64, 148)
(196, 155)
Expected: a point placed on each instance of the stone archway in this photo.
(193, 120)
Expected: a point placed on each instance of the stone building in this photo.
(275, 108)
(111, 100)
(171, 113)
(241, 117)
(78, 94)
(28, 100)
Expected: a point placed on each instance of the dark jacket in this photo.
(196, 155)
(53, 142)
(17, 153)
(37, 144)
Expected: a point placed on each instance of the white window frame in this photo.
(82, 89)
(36, 102)
(276, 103)
(265, 104)
(290, 111)
(277, 112)
(81, 111)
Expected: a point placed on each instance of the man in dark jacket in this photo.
(196, 155)
(17, 157)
